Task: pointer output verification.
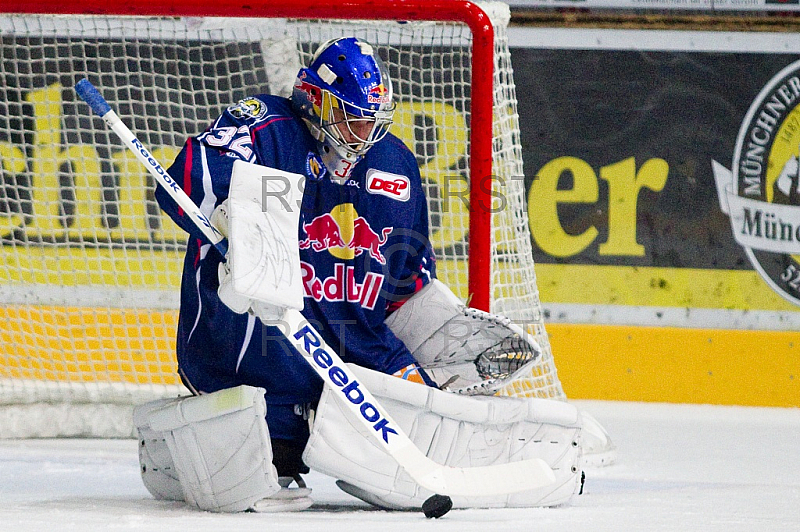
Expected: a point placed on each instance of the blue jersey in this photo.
(363, 247)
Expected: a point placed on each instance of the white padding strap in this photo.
(155, 460)
(452, 429)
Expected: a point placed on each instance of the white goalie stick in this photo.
(441, 479)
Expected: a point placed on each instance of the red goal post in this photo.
(68, 337)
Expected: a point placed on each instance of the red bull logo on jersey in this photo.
(345, 235)
(365, 239)
(342, 285)
(322, 233)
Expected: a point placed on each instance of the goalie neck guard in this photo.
(345, 97)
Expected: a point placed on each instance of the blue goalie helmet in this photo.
(345, 97)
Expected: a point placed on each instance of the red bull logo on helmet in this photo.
(379, 94)
(312, 92)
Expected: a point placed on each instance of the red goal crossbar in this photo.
(435, 10)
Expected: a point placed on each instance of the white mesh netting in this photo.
(90, 268)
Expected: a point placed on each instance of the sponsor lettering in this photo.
(758, 138)
(625, 183)
(379, 94)
(761, 192)
(765, 224)
(167, 180)
(324, 362)
(96, 213)
(342, 285)
(393, 186)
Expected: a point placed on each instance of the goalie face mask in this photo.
(345, 97)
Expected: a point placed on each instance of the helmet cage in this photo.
(353, 128)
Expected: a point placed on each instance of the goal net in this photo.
(90, 267)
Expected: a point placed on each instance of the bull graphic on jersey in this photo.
(342, 238)
(365, 239)
(322, 233)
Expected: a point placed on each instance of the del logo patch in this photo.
(761, 191)
(393, 186)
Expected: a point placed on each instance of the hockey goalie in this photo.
(326, 220)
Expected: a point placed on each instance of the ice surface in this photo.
(686, 468)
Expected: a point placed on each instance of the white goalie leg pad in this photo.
(221, 451)
(468, 350)
(155, 461)
(455, 430)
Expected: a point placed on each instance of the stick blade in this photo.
(498, 479)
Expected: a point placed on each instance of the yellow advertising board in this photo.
(664, 201)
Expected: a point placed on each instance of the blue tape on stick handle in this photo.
(92, 96)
